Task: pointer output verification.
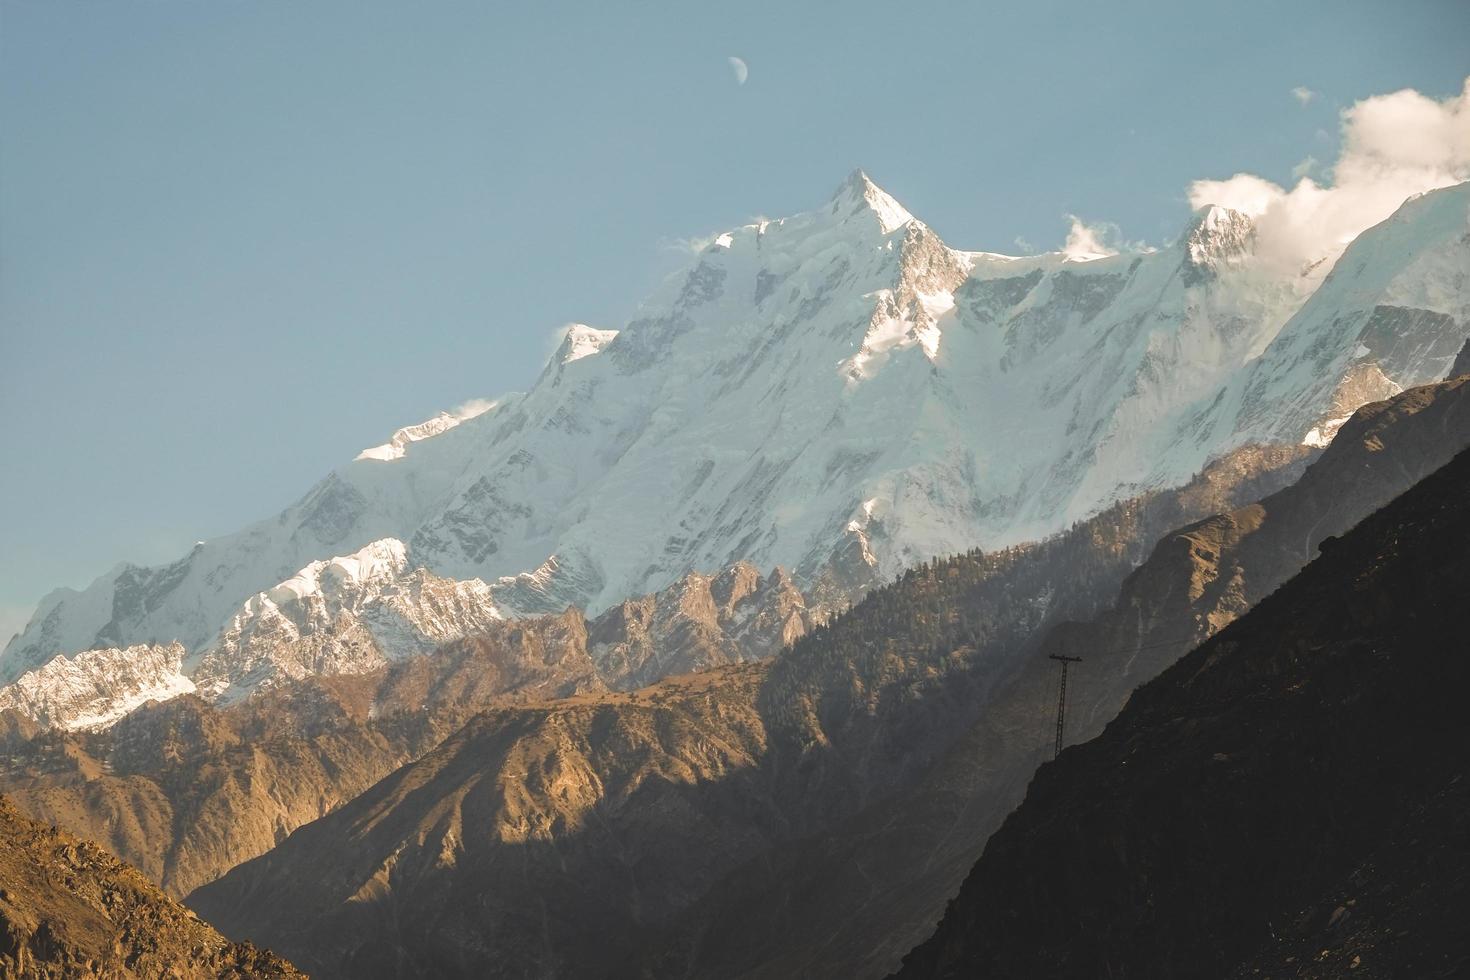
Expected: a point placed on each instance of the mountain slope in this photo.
(842, 394)
(185, 790)
(70, 909)
(1264, 797)
(635, 805)
(853, 901)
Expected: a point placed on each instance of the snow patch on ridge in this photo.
(376, 563)
(346, 615)
(97, 687)
(397, 445)
(583, 341)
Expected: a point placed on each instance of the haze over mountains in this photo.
(839, 393)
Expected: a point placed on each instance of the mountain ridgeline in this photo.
(600, 819)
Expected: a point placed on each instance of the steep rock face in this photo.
(70, 909)
(841, 394)
(1462, 362)
(1279, 802)
(700, 622)
(852, 902)
(582, 829)
(360, 613)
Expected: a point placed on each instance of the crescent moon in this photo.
(741, 71)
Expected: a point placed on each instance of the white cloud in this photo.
(1304, 168)
(1393, 146)
(1086, 241)
(693, 245)
(1303, 95)
(1243, 192)
(473, 407)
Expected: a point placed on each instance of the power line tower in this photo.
(1062, 699)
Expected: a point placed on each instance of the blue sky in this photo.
(241, 240)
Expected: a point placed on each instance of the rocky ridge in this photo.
(70, 909)
(364, 612)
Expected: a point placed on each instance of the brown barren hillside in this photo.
(70, 909)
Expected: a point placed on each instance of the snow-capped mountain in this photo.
(839, 393)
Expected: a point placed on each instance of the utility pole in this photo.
(1062, 699)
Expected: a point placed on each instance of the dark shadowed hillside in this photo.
(1287, 800)
(854, 900)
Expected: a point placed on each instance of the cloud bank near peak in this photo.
(1086, 241)
(1393, 147)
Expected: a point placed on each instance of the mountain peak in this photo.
(580, 341)
(1216, 235)
(858, 193)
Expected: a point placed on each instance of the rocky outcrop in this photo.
(70, 909)
(362, 612)
(96, 688)
(1462, 362)
(700, 622)
(349, 615)
(1287, 800)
